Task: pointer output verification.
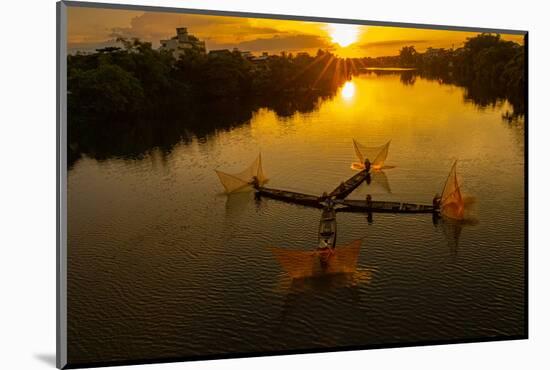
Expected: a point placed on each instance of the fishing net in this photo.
(452, 203)
(242, 181)
(304, 264)
(375, 154)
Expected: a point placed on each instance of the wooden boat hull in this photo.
(353, 205)
(348, 186)
(327, 228)
(307, 200)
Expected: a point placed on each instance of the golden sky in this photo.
(90, 28)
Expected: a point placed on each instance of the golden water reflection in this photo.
(348, 90)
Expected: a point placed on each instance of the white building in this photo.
(182, 42)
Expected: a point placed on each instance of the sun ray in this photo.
(314, 62)
(327, 65)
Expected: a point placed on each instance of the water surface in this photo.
(161, 264)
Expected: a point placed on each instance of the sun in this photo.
(343, 34)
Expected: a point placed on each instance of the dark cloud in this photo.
(389, 43)
(156, 26)
(286, 42)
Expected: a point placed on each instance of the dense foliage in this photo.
(138, 80)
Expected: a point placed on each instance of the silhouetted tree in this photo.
(407, 56)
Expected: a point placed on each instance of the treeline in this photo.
(490, 68)
(137, 80)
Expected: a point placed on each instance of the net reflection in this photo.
(452, 231)
(379, 179)
(304, 292)
(327, 282)
(236, 204)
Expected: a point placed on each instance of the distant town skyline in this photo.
(89, 29)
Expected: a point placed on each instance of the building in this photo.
(261, 58)
(244, 54)
(182, 42)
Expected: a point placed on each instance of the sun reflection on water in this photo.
(348, 91)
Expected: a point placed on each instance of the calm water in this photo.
(161, 264)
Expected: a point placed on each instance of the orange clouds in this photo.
(90, 28)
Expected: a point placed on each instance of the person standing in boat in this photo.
(255, 182)
(436, 201)
(367, 165)
(324, 252)
(369, 201)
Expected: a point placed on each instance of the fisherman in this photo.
(369, 201)
(255, 182)
(436, 201)
(325, 253)
(367, 165)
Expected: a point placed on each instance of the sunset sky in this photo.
(90, 28)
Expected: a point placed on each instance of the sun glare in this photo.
(348, 91)
(343, 34)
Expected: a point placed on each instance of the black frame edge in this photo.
(61, 193)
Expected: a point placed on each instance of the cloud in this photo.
(153, 27)
(286, 42)
(217, 31)
(390, 43)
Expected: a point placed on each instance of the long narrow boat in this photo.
(345, 188)
(290, 197)
(356, 205)
(327, 228)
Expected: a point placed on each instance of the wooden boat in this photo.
(327, 228)
(307, 200)
(356, 205)
(345, 188)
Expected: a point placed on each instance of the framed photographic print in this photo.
(234, 184)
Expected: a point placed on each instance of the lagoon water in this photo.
(163, 265)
